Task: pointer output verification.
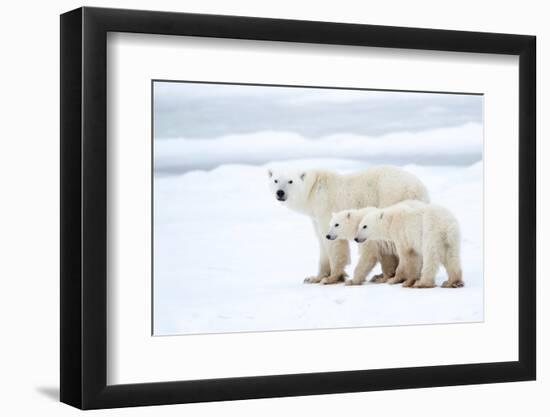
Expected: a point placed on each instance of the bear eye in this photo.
(336, 225)
(365, 226)
(290, 182)
(275, 181)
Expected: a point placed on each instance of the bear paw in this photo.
(378, 279)
(333, 279)
(409, 283)
(328, 280)
(313, 280)
(455, 284)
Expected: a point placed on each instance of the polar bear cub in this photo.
(427, 231)
(343, 225)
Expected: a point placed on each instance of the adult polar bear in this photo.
(319, 193)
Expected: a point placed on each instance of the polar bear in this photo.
(319, 193)
(428, 233)
(344, 225)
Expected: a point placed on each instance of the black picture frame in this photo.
(84, 207)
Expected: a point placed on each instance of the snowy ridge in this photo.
(459, 145)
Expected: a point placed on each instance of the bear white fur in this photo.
(319, 193)
(344, 225)
(425, 237)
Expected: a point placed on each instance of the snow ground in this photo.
(229, 258)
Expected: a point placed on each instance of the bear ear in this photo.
(381, 215)
(302, 176)
(269, 173)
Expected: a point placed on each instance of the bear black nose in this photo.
(357, 240)
(328, 236)
(280, 193)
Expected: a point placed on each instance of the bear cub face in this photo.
(286, 186)
(370, 227)
(342, 226)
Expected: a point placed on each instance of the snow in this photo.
(229, 258)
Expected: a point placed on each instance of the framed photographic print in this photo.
(257, 207)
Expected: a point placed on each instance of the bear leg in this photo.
(389, 264)
(324, 262)
(364, 267)
(401, 271)
(454, 273)
(430, 262)
(412, 265)
(338, 251)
